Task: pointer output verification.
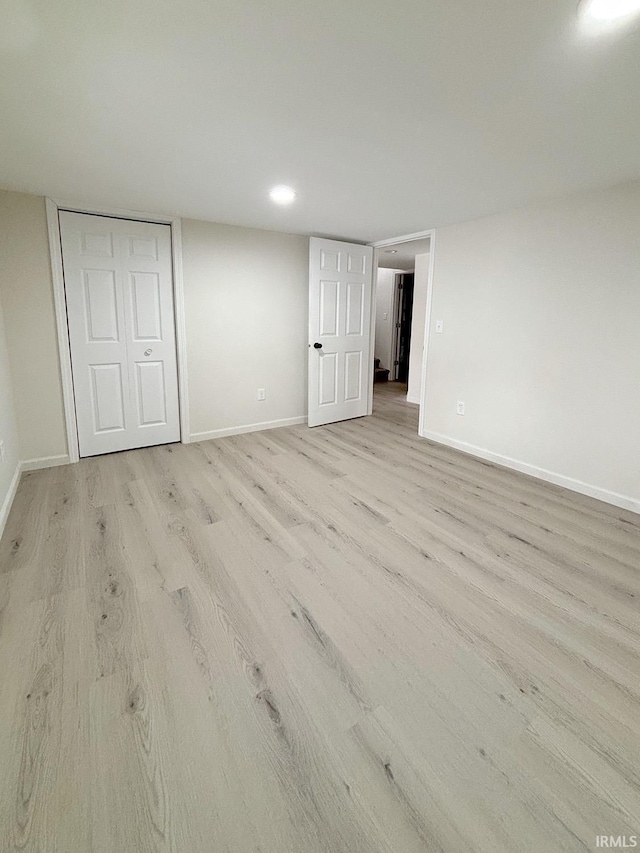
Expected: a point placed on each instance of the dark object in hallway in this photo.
(380, 374)
(404, 329)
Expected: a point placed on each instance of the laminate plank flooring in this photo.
(338, 640)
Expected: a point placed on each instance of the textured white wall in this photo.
(541, 310)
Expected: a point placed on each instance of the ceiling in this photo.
(388, 118)
(402, 256)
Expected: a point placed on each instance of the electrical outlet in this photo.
(1, 451)
(460, 408)
(439, 326)
(262, 394)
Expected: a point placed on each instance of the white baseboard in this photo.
(416, 401)
(6, 504)
(44, 462)
(221, 433)
(570, 483)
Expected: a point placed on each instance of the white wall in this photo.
(420, 289)
(246, 305)
(541, 310)
(8, 431)
(27, 298)
(385, 291)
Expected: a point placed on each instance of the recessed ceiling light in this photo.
(282, 195)
(391, 251)
(610, 10)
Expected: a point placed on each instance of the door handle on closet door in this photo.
(148, 351)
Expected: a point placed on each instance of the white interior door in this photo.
(340, 284)
(119, 292)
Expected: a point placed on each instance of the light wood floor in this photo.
(334, 640)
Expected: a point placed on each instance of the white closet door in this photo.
(340, 285)
(119, 291)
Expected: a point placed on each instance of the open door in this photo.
(340, 283)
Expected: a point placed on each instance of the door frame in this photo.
(60, 302)
(392, 241)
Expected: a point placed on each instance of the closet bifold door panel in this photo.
(120, 311)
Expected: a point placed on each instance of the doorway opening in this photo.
(400, 314)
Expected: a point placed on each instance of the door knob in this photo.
(317, 345)
(148, 351)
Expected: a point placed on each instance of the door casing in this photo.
(64, 350)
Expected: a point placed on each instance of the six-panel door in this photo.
(339, 320)
(119, 292)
